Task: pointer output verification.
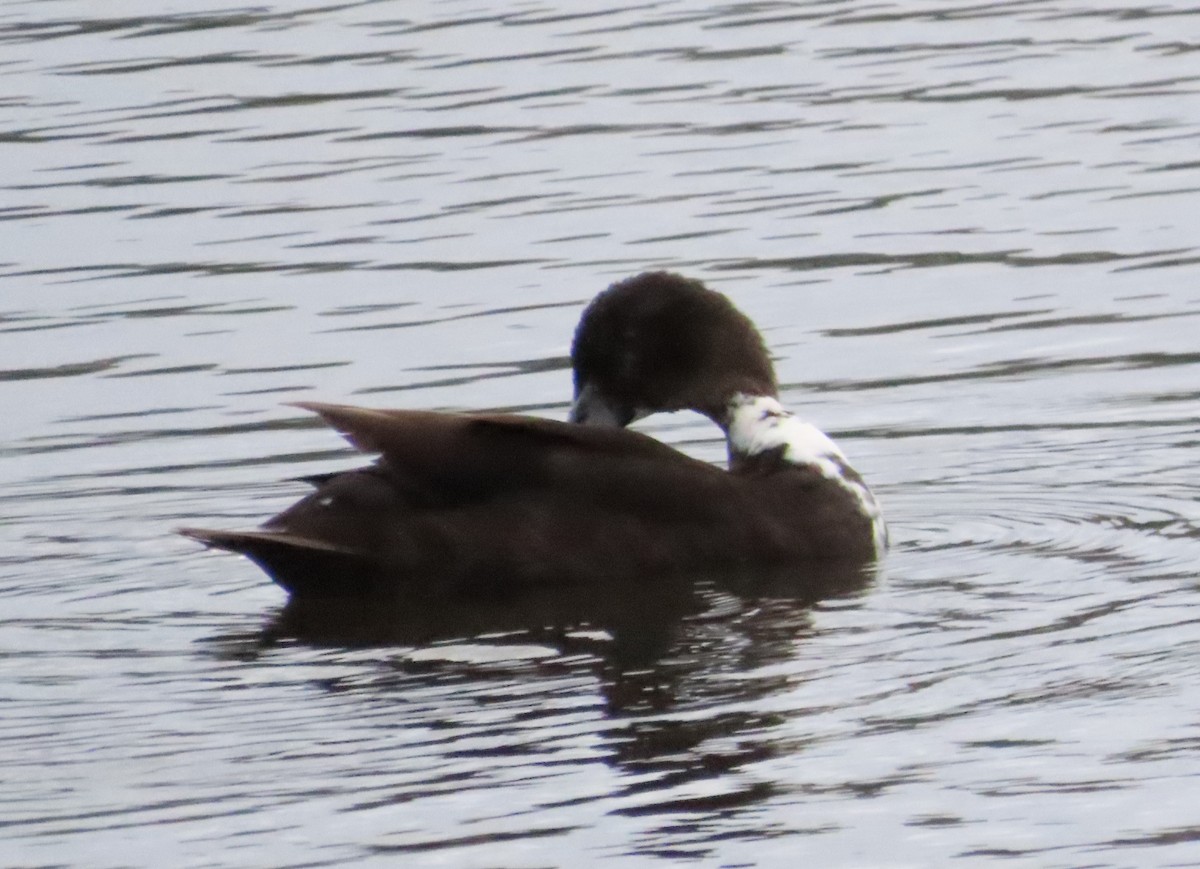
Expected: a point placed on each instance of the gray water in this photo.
(968, 231)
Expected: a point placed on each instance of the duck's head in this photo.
(661, 342)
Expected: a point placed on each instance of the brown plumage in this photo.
(492, 504)
(487, 504)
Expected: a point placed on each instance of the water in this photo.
(968, 232)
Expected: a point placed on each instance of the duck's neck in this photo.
(760, 429)
(758, 424)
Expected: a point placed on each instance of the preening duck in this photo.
(493, 503)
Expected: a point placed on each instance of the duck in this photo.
(488, 505)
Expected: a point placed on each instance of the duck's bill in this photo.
(592, 407)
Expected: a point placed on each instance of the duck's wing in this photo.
(468, 456)
(372, 429)
(459, 483)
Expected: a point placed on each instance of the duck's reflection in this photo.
(645, 637)
(688, 674)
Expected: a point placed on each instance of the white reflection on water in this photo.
(965, 231)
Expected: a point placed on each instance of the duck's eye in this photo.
(326, 501)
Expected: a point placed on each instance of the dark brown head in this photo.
(661, 342)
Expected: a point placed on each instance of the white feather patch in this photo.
(759, 424)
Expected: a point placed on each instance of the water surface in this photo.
(967, 232)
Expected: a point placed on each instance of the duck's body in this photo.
(490, 504)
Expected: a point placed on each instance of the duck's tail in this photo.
(304, 566)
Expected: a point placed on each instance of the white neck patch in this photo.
(759, 424)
